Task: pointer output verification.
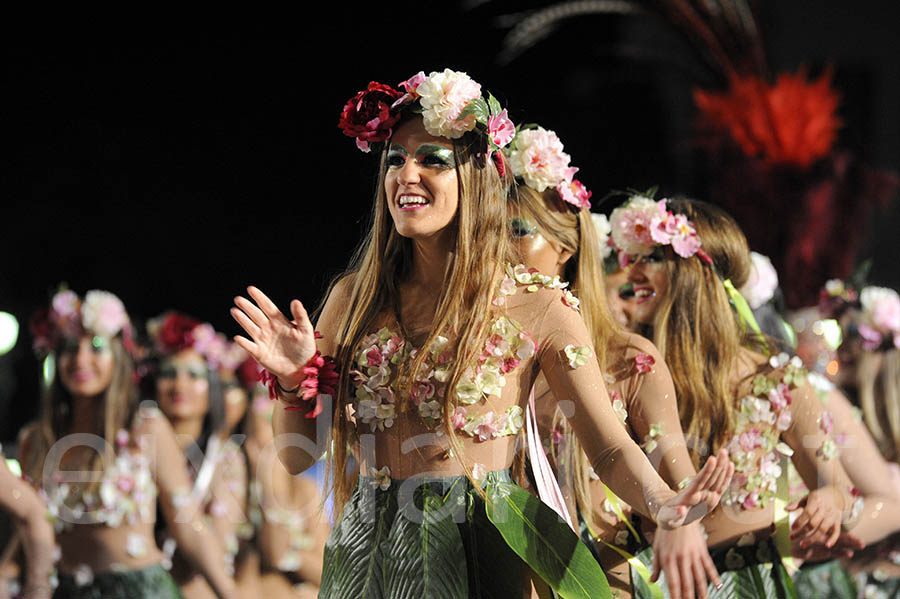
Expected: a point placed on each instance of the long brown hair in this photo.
(879, 397)
(697, 331)
(115, 409)
(575, 232)
(384, 260)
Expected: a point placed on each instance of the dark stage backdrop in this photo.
(176, 166)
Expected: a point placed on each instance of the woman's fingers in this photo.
(685, 572)
(673, 578)
(253, 313)
(264, 303)
(654, 575)
(248, 325)
(699, 574)
(711, 572)
(248, 346)
(299, 314)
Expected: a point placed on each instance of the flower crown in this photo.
(173, 332)
(100, 313)
(642, 223)
(762, 282)
(450, 102)
(536, 157)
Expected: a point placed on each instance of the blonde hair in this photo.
(384, 259)
(574, 232)
(696, 330)
(115, 411)
(879, 398)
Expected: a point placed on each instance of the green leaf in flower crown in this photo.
(478, 108)
(493, 104)
(547, 544)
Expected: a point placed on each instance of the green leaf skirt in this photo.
(831, 580)
(153, 582)
(749, 572)
(437, 538)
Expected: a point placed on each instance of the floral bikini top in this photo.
(126, 493)
(379, 378)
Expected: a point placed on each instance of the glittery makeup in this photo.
(519, 227)
(427, 155)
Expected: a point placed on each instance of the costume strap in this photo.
(547, 485)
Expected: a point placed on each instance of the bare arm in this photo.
(284, 347)
(182, 513)
(20, 501)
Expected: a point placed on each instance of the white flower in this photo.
(103, 313)
(881, 308)
(762, 282)
(83, 575)
(430, 409)
(603, 228)
(619, 409)
(577, 356)
(382, 477)
(538, 159)
(136, 545)
(443, 96)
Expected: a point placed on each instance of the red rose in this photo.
(367, 116)
(175, 332)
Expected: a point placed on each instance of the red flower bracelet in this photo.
(321, 379)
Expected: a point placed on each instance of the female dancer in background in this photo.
(558, 236)
(689, 258)
(436, 358)
(91, 424)
(189, 392)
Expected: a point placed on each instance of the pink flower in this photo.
(871, 338)
(66, 303)
(500, 129)
(751, 501)
(125, 483)
(779, 397)
(410, 85)
(537, 158)
(458, 419)
(509, 364)
(103, 313)
(643, 362)
(826, 422)
(784, 421)
(750, 440)
(122, 437)
(487, 428)
(422, 391)
(762, 282)
(373, 356)
(575, 193)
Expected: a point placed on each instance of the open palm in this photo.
(701, 496)
(281, 346)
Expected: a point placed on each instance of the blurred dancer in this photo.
(104, 465)
(189, 392)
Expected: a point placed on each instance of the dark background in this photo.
(174, 166)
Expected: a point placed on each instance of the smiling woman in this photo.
(436, 357)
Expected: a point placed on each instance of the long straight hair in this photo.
(115, 409)
(384, 260)
(696, 330)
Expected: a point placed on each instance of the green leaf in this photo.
(427, 557)
(494, 104)
(478, 108)
(353, 556)
(537, 535)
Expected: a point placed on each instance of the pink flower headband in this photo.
(536, 157)
(879, 324)
(100, 313)
(641, 224)
(450, 102)
(173, 332)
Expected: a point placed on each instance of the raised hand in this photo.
(281, 346)
(820, 517)
(701, 495)
(682, 554)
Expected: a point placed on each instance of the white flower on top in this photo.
(443, 96)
